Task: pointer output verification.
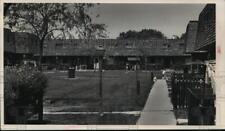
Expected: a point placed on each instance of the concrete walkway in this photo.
(158, 108)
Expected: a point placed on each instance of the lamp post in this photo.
(100, 76)
(137, 80)
(100, 52)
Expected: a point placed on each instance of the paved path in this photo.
(158, 108)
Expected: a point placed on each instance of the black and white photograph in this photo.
(109, 64)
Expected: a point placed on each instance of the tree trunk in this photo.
(40, 99)
(40, 55)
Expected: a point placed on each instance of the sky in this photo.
(170, 19)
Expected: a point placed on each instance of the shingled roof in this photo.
(206, 28)
(114, 47)
(191, 34)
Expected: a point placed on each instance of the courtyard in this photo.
(77, 101)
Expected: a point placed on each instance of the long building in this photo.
(118, 53)
(199, 44)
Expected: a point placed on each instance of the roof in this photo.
(114, 47)
(191, 34)
(206, 29)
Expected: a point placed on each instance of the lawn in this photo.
(81, 94)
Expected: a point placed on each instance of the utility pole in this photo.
(101, 55)
(100, 86)
(100, 77)
(137, 80)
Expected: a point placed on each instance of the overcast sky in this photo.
(170, 19)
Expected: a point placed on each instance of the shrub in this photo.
(22, 86)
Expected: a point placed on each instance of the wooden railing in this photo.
(191, 93)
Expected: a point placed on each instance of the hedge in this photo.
(22, 86)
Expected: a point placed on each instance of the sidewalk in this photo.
(158, 108)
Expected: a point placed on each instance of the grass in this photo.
(82, 94)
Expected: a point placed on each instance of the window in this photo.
(100, 45)
(166, 45)
(75, 45)
(181, 45)
(65, 45)
(129, 45)
(116, 45)
(58, 45)
(45, 46)
(8, 38)
(152, 60)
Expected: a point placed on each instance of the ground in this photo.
(158, 109)
(81, 94)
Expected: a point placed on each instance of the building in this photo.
(191, 34)
(19, 46)
(118, 53)
(205, 39)
(200, 38)
(199, 45)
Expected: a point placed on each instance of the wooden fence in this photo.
(190, 92)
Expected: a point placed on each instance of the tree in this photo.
(176, 37)
(183, 36)
(48, 20)
(141, 35)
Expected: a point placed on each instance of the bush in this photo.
(23, 86)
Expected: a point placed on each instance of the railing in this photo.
(191, 93)
(210, 74)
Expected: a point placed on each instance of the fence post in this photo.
(174, 91)
(152, 76)
(181, 91)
